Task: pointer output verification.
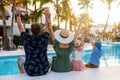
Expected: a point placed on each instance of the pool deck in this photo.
(103, 73)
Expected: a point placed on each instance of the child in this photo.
(78, 53)
(95, 56)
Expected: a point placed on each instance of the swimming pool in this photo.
(111, 56)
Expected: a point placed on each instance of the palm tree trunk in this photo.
(11, 29)
(57, 13)
(65, 24)
(106, 24)
(58, 21)
(70, 25)
(5, 36)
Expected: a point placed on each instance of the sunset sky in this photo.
(99, 12)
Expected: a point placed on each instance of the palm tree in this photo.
(66, 12)
(5, 39)
(73, 22)
(109, 3)
(37, 13)
(13, 4)
(85, 5)
(57, 5)
(25, 16)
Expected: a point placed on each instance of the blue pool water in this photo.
(8, 65)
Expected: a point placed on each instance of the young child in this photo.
(78, 52)
(95, 55)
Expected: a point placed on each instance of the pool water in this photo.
(111, 54)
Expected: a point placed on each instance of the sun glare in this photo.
(99, 12)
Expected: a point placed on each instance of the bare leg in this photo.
(20, 68)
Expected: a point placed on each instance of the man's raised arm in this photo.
(19, 23)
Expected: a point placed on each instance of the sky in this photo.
(99, 12)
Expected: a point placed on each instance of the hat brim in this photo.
(63, 40)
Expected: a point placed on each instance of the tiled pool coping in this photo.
(21, 51)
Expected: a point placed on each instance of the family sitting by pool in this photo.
(64, 43)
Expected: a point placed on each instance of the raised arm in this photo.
(19, 23)
(48, 23)
(82, 40)
(78, 28)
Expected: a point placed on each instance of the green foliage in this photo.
(55, 27)
(85, 4)
(42, 28)
(17, 40)
(66, 12)
(25, 17)
(35, 15)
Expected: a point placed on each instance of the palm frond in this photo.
(35, 15)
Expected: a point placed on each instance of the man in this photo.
(35, 45)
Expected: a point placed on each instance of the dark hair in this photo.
(35, 28)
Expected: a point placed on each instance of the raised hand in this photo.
(17, 9)
(47, 13)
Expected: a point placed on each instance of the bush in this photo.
(55, 27)
(17, 40)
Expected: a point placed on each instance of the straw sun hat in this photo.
(64, 36)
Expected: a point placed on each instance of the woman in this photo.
(63, 43)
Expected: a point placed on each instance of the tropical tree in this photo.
(5, 39)
(37, 13)
(66, 12)
(13, 4)
(57, 5)
(109, 5)
(25, 16)
(85, 5)
(73, 21)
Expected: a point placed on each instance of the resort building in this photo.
(14, 30)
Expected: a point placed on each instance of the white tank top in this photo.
(77, 55)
